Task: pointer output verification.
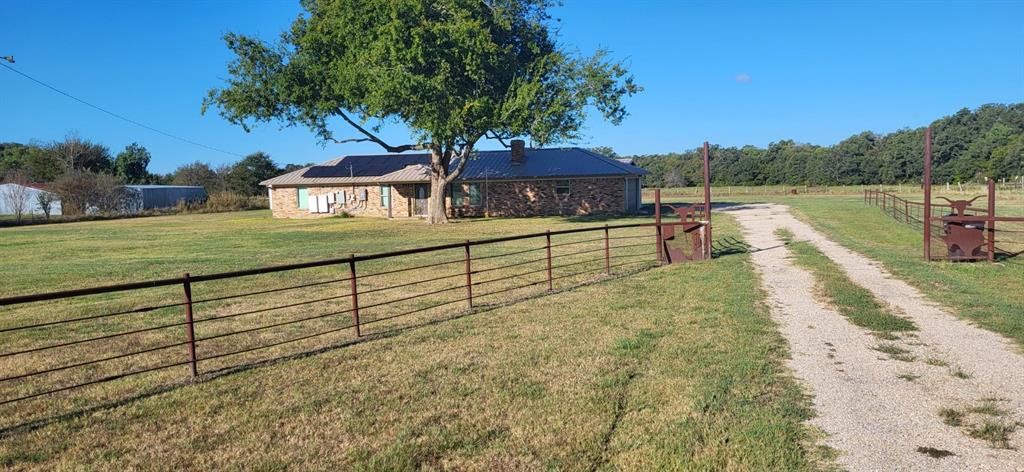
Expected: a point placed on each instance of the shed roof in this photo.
(484, 165)
(154, 186)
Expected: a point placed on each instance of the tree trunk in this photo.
(436, 213)
(441, 176)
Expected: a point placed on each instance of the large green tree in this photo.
(130, 165)
(77, 153)
(245, 175)
(453, 71)
(33, 158)
(199, 174)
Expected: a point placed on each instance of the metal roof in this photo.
(484, 165)
(152, 186)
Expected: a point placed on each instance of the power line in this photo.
(115, 115)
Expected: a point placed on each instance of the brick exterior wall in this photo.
(538, 198)
(499, 198)
(285, 201)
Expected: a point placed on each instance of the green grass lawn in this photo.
(676, 367)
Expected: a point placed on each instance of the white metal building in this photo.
(31, 193)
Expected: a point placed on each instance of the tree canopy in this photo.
(453, 71)
(245, 176)
(130, 165)
(968, 145)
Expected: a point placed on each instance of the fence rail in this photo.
(1001, 241)
(125, 330)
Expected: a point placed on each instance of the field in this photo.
(673, 367)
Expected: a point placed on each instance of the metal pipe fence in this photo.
(1003, 236)
(143, 331)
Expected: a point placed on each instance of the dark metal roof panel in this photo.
(545, 163)
(489, 165)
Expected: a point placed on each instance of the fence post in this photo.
(707, 199)
(991, 223)
(469, 277)
(190, 334)
(906, 211)
(607, 253)
(926, 213)
(548, 247)
(657, 224)
(355, 291)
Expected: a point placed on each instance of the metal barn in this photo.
(148, 197)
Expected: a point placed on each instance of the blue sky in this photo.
(732, 73)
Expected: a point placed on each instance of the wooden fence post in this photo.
(355, 292)
(190, 334)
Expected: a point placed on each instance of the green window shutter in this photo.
(303, 198)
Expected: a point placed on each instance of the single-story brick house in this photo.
(516, 182)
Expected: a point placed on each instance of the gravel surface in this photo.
(873, 418)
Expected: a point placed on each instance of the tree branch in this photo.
(349, 140)
(463, 159)
(495, 136)
(371, 137)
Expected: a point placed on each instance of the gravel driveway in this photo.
(872, 417)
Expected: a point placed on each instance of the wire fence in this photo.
(957, 234)
(168, 331)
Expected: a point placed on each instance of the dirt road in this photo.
(877, 412)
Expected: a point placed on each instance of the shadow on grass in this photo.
(34, 425)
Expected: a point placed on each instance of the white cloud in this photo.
(743, 78)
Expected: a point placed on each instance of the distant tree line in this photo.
(966, 146)
(86, 175)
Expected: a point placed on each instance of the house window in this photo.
(463, 194)
(385, 196)
(303, 193)
(475, 197)
(561, 187)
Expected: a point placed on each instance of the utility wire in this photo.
(115, 115)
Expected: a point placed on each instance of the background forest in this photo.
(967, 146)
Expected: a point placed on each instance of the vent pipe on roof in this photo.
(518, 151)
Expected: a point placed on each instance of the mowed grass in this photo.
(990, 294)
(854, 302)
(677, 367)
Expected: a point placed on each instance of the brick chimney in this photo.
(518, 151)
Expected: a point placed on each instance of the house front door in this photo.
(419, 201)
